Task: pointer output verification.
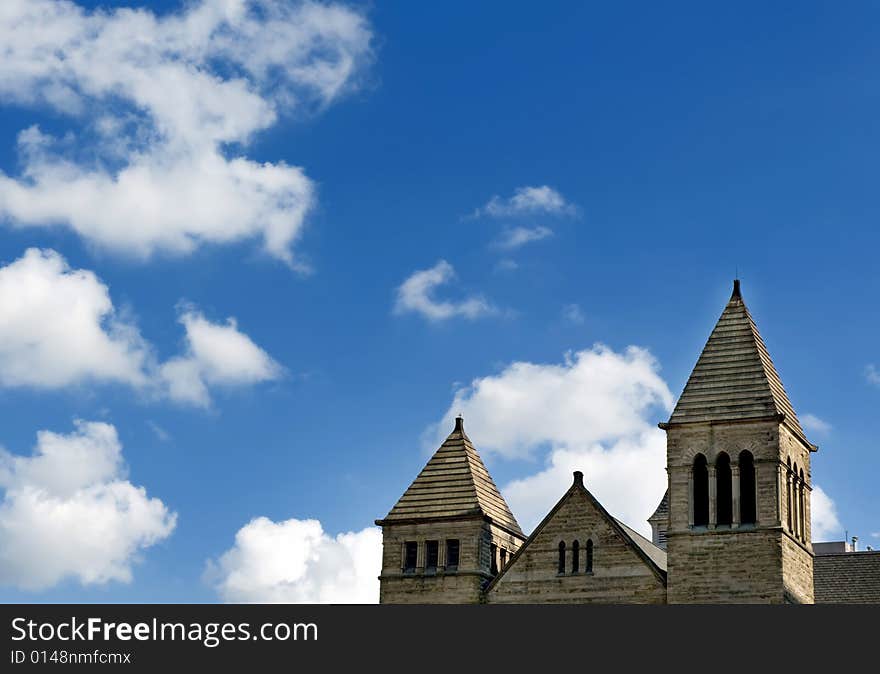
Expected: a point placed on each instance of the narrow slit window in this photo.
(576, 557)
(723, 489)
(432, 549)
(411, 556)
(562, 557)
(452, 553)
(589, 565)
(747, 503)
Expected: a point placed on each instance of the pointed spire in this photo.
(454, 483)
(734, 378)
(459, 424)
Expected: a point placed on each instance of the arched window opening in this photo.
(701, 491)
(802, 505)
(724, 490)
(575, 557)
(493, 550)
(747, 493)
(589, 565)
(562, 557)
(788, 500)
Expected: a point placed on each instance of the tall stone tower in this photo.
(739, 477)
(450, 533)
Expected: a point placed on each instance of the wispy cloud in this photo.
(416, 295)
(527, 200)
(158, 431)
(506, 265)
(813, 423)
(573, 314)
(516, 237)
(872, 374)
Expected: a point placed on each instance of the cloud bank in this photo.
(164, 106)
(68, 511)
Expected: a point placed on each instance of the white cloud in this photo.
(416, 295)
(596, 412)
(218, 354)
(69, 512)
(872, 374)
(527, 201)
(573, 314)
(164, 106)
(295, 561)
(813, 423)
(825, 525)
(58, 328)
(517, 237)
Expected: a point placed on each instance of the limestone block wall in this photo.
(737, 563)
(797, 565)
(725, 567)
(463, 585)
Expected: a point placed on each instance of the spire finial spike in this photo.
(459, 424)
(736, 291)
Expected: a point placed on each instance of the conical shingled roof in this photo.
(734, 378)
(661, 514)
(454, 483)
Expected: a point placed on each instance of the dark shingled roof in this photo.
(454, 483)
(662, 511)
(847, 578)
(734, 378)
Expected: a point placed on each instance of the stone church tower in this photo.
(738, 464)
(450, 533)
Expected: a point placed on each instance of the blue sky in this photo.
(687, 143)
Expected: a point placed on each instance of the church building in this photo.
(733, 526)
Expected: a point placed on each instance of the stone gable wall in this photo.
(619, 575)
